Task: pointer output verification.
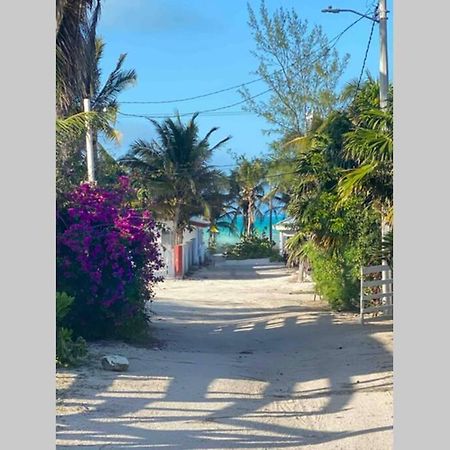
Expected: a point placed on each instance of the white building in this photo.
(178, 260)
(286, 230)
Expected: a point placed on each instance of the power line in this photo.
(325, 49)
(151, 116)
(336, 39)
(210, 114)
(365, 59)
(179, 100)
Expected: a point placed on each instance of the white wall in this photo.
(166, 249)
(194, 250)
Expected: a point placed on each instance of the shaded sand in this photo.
(245, 359)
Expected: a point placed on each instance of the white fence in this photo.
(376, 293)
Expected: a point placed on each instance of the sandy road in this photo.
(248, 361)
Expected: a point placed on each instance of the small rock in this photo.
(116, 363)
(340, 348)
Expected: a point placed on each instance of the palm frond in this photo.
(353, 181)
(73, 127)
(295, 248)
(117, 81)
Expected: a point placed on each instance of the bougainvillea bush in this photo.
(107, 256)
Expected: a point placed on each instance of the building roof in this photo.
(285, 225)
(199, 222)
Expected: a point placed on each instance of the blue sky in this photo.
(184, 48)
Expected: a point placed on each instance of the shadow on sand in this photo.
(280, 350)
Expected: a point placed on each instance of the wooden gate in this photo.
(376, 293)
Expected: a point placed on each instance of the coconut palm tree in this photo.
(104, 107)
(370, 144)
(104, 99)
(218, 199)
(173, 169)
(247, 181)
(76, 22)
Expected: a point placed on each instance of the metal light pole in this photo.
(381, 20)
(384, 80)
(384, 91)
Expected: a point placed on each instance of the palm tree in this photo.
(248, 180)
(76, 22)
(370, 144)
(218, 200)
(104, 106)
(313, 200)
(104, 98)
(173, 169)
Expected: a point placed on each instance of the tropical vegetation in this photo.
(173, 171)
(107, 258)
(251, 246)
(330, 167)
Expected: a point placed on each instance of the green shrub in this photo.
(107, 259)
(251, 246)
(63, 304)
(335, 277)
(69, 352)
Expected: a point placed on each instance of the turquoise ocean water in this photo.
(262, 226)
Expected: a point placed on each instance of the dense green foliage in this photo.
(251, 246)
(173, 169)
(330, 169)
(69, 351)
(334, 276)
(107, 257)
(339, 196)
(78, 76)
(247, 187)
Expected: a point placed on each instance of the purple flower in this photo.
(107, 252)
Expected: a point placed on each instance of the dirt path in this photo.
(248, 362)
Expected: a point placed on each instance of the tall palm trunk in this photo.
(250, 218)
(250, 213)
(270, 218)
(177, 226)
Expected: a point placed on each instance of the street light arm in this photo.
(336, 11)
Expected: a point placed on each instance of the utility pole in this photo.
(384, 79)
(384, 91)
(89, 144)
(381, 20)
